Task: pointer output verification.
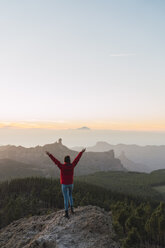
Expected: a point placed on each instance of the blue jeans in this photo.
(67, 193)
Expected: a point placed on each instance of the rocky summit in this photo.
(89, 227)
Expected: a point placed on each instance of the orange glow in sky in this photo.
(104, 125)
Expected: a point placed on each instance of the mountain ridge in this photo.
(89, 163)
(151, 157)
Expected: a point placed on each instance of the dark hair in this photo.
(67, 159)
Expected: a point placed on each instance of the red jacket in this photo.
(66, 170)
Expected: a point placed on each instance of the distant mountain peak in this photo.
(83, 128)
(102, 143)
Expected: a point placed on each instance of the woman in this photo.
(66, 178)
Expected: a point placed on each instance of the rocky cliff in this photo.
(89, 227)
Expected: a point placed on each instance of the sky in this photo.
(66, 64)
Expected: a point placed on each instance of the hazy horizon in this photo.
(75, 137)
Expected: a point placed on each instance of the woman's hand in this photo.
(48, 153)
(83, 150)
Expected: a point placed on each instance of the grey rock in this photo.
(89, 227)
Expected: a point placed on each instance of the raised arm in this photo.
(75, 161)
(54, 160)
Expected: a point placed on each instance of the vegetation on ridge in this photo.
(136, 184)
(137, 222)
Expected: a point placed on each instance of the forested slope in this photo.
(131, 183)
(138, 222)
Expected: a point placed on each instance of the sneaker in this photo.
(72, 210)
(66, 214)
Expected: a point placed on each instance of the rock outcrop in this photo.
(89, 227)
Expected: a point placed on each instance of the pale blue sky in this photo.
(90, 61)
